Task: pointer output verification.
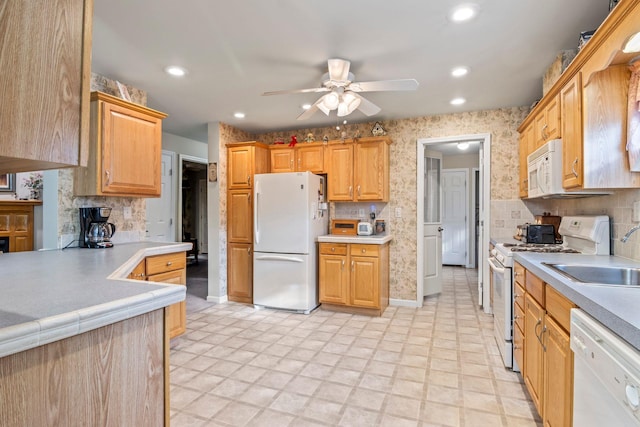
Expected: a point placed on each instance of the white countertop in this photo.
(51, 295)
(377, 239)
(616, 307)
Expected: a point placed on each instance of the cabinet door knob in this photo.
(343, 264)
(364, 251)
(333, 249)
(108, 174)
(350, 191)
(291, 163)
(249, 179)
(353, 265)
(299, 161)
(359, 194)
(169, 263)
(248, 250)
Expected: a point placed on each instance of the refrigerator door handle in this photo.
(256, 224)
(278, 258)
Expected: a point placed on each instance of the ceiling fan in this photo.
(344, 93)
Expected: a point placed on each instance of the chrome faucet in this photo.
(629, 233)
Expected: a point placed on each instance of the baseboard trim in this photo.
(218, 300)
(404, 303)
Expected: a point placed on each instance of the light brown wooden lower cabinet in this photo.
(111, 376)
(240, 272)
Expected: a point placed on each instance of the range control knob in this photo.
(633, 399)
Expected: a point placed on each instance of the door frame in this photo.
(192, 159)
(485, 219)
(467, 213)
(472, 226)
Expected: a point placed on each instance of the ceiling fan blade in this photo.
(311, 111)
(286, 92)
(366, 106)
(339, 69)
(384, 85)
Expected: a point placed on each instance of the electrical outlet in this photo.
(636, 212)
(361, 213)
(398, 212)
(126, 212)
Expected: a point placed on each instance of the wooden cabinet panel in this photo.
(16, 223)
(535, 287)
(371, 176)
(558, 376)
(46, 68)
(139, 272)
(240, 216)
(334, 272)
(340, 172)
(167, 262)
(365, 282)
(240, 272)
(518, 274)
(310, 158)
(547, 123)
(558, 307)
(354, 276)
(282, 159)
(125, 150)
(518, 347)
(533, 353)
(240, 167)
(572, 160)
(177, 313)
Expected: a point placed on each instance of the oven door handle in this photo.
(495, 265)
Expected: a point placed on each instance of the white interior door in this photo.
(160, 225)
(202, 217)
(454, 217)
(432, 238)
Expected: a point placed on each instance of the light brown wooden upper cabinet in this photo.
(46, 69)
(572, 160)
(358, 171)
(125, 150)
(547, 123)
(303, 157)
(244, 159)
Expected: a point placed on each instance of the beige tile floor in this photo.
(433, 366)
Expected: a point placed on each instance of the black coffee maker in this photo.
(95, 231)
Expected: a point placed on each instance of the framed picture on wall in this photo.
(8, 182)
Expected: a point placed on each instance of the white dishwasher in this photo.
(606, 388)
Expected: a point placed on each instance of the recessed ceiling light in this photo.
(175, 71)
(238, 115)
(463, 145)
(464, 12)
(459, 71)
(458, 101)
(306, 106)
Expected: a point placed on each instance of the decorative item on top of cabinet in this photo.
(358, 171)
(354, 277)
(125, 150)
(44, 119)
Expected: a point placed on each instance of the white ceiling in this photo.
(236, 50)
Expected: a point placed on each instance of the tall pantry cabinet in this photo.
(245, 159)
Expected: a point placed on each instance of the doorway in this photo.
(192, 205)
(483, 143)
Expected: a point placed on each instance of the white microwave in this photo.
(544, 169)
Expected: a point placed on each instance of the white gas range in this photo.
(587, 235)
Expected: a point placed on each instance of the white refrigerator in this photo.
(289, 214)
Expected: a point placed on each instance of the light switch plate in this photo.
(398, 212)
(126, 212)
(361, 213)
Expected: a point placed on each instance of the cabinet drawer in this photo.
(167, 262)
(518, 295)
(518, 315)
(535, 287)
(558, 307)
(364, 250)
(518, 274)
(333, 248)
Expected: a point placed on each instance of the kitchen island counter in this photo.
(51, 295)
(616, 307)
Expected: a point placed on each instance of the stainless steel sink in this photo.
(620, 276)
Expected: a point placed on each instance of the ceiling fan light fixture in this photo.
(348, 104)
(331, 101)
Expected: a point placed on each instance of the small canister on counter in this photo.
(380, 226)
